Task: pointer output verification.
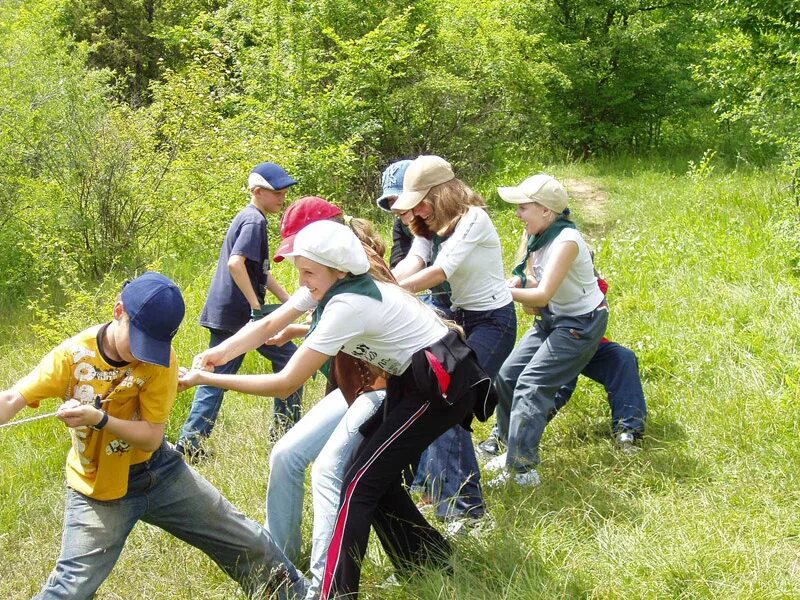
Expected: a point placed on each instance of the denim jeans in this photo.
(616, 368)
(449, 467)
(327, 435)
(208, 400)
(169, 494)
(551, 354)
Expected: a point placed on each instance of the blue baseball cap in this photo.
(392, 182)
(270, 176)
(155, 309)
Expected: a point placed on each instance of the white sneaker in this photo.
(527, 479)
(474, 526)
(497, 463)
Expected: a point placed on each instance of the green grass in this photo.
(703, 286)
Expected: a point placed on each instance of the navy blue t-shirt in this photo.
(226, 307)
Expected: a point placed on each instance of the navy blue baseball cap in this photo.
(155, 309)
(392, 183)
(270, 176)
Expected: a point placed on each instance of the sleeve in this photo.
(249, 242)
(470, 231)
(302, 300)
(340, 322)
(50, 379)
(423, 248)
(157, 395)
(401, 243)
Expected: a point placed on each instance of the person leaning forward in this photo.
(119, 381)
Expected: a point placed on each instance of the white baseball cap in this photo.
(422, 174)
(542, 189)
(331, 244)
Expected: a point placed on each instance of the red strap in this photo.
(441, 374)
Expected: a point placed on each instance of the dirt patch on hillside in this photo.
(589, 204)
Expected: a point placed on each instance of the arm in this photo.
(276, 289)
(249, 337)
(11, 402)
(303, 364)
(139, 434)
(408, 266)
(424, 279)
(555, 272)
(238, 269)
(290, 332)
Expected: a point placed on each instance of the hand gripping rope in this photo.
(98, 401)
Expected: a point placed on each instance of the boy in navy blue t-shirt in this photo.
(236, 296)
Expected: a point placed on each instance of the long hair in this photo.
(451, 200)
(374, 246)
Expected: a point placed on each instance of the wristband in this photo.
(102, 422)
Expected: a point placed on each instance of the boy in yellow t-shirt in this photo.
(119, 382)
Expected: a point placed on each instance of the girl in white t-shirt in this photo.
(434, 383)
(572, 321)
(457, 243)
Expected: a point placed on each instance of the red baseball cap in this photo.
(306, 210)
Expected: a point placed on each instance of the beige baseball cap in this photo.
(541, 188)
(422, 174)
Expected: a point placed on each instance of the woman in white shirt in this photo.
(572, 321)
(464, 250)
(434, 383)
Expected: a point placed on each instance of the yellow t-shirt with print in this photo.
(98, 462)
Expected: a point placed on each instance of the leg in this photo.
(207, 400)
(453, 467)
(563, 395)
(373, 482)
(181, 502)
(571, 343)
(94, 535)
(454, 476)
(509, 373)
(615, 367)
(286, 410)
(287, 470)
(326, 478)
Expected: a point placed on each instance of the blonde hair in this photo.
(451, 200)
(367, 234)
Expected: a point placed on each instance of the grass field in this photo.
(703, 268)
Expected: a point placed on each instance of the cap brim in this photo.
(514, 195)
(148, 349)
(287, 245)
(283, 182)
(383, 201)
(408, 200)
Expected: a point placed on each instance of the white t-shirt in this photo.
(385, 333)
(579, 293)
(472, 261)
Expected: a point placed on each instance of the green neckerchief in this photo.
(363, 285)
(540, 241)
(441, 292)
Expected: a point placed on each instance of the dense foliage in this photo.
(127, 128)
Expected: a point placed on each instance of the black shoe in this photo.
(491, 446)
(192, 454)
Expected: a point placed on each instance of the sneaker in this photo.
(425, 505)
(473, 526)
(497, 463)
(491, 446)
(192, 454)
(626, 442)
(527, 479)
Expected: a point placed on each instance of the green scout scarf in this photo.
(363, 285)
(540, 241)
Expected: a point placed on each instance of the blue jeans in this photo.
(208, 400)
(327, 435)
(449, 466)
(551, 354)
(169, 494)
(616, 368)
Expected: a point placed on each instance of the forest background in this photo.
(127, 129)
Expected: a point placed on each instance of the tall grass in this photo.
(703, 288)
